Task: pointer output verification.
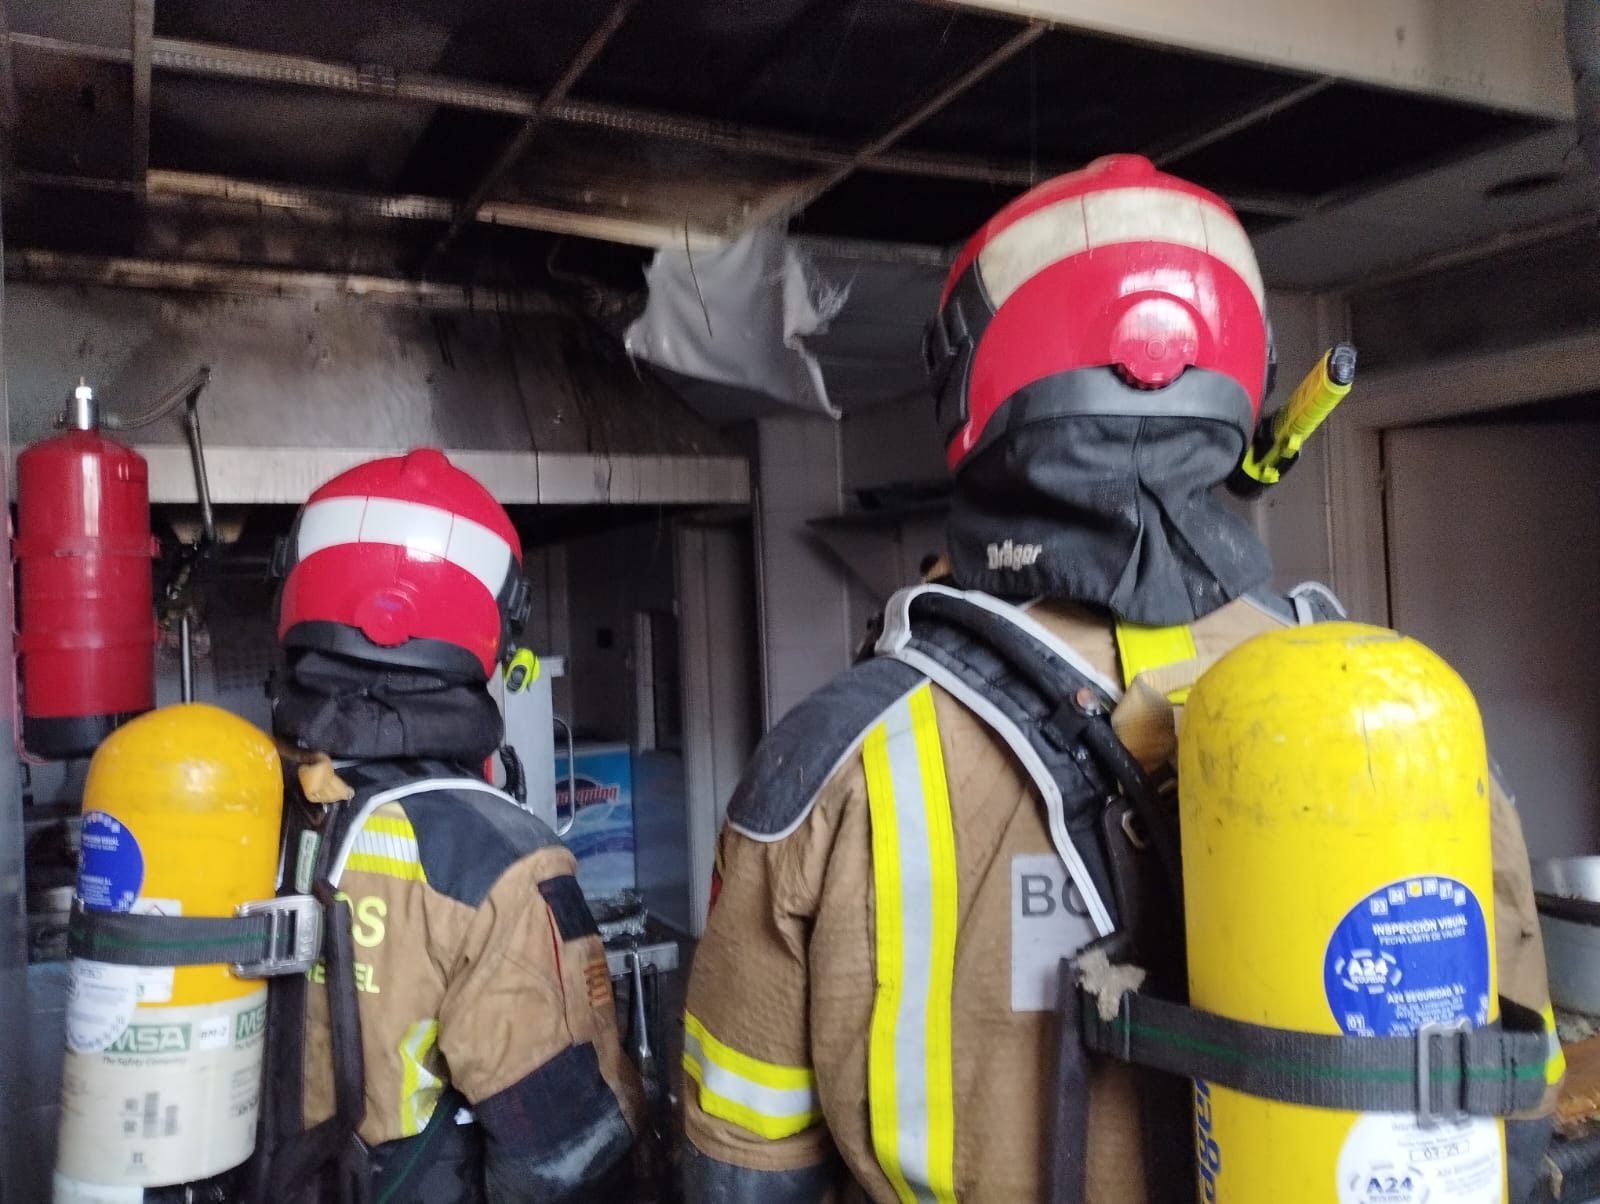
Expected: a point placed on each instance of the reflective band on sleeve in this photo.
(1144, 648)
(386, 844)
(428, 530)
(910, 1092)
(419, 1084)
(768, 1100)
(1555, 1066)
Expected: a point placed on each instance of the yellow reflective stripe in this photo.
(910, 1093)
(392, 867)
(767, 1074)
(1556, 1063)
(390, 825)
(1142, 648)
(419, 1086)
(387, 845)
(768, 1099)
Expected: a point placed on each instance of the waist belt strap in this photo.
(272, 937)
(1443, 1071)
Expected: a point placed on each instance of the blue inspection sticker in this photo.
(1414, 952)
(112, 870)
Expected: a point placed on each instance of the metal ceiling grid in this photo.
(905, 120)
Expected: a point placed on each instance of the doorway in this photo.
(1490, 526)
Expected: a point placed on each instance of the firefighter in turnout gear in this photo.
(872, 1013)
(458, 1041)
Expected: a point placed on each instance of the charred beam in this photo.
(143, 15)
(327, 204)
(52, 267)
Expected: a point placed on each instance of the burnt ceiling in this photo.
(543, 142)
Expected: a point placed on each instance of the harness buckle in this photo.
(1455, 1033)
(294, 935)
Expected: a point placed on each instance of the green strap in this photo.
(1497, 1070)
(127, 939)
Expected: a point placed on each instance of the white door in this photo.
(1494, 562)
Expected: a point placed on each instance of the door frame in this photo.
(718, 651)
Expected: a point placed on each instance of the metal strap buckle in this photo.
(1455, 1032)
(294, 936)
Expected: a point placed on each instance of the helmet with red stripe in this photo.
(1113, 291)
(405, 562)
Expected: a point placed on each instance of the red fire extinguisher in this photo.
(83, 548)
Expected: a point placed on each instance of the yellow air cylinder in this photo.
(162, 1077)
(1337, 879)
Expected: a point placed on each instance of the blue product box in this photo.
(601, 837)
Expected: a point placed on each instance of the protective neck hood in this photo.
(1108, 510)
(348, 708)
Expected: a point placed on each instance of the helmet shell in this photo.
(1117, 268)
(404, 561)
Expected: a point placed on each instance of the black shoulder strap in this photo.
(327, 1161)
(1049, 706)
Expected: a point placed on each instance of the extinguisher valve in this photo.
(85, 412)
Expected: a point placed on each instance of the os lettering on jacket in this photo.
(367, 929)
(366, 919)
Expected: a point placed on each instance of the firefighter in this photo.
(467, 1035)
(906, 860)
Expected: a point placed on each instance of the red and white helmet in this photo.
(404, 561)
(1115, 290)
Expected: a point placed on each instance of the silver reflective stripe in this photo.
(909, 1078)
(388, 845)
(1077, 224)
(771, 1101)
(428, 530)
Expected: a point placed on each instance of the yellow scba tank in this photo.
(161, 1083)
(1337, 879)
